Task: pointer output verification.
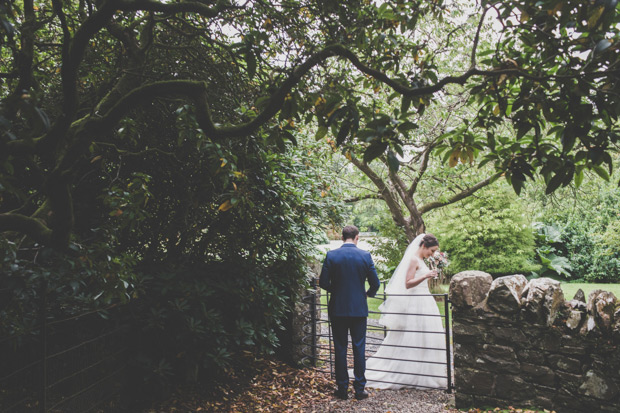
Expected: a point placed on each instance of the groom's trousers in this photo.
(341, 326)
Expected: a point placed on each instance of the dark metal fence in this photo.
(318, 342)
(73, 364)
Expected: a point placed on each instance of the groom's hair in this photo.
(429, 240)
(349, 232)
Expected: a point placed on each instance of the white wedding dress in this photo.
(415, 357)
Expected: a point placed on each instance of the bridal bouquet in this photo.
(438, 261)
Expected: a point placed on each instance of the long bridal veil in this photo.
(413, 352)
(396, 303)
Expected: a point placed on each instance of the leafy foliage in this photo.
(563, 124)
(389, 245)
(489, 234)
(89, 279)
(585, 240)
(548, 238)
(225, 283)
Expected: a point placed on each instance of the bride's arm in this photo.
(411, 280)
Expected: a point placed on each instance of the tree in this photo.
(535, 140)
(104, 161)
(552, 73)
(490, 233)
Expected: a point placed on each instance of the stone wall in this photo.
(520, 343)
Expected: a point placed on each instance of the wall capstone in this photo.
(602, 305)
(542, 299)
(574, 319)
(469, 288)
(505, 293)
(580, 296)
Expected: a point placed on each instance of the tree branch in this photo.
(57, 6)
(386, 194)
(69, 73)
(401, 189)
(125, 152)
(131, 76)
(362, 198)
(23, 224)
(457, 197)
(423, 166)
(197, 90)
(477, 39)
(180, 7)
(25, 56)
(340, 50)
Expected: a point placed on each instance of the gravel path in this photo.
(384, 401)
(395, 401)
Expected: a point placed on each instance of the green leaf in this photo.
(250, 62)
(522, 129)
(491, 141)
(321, 132)
(557, 130)
(43, 119)
(262, 101)
(568, 139)
(578, 177)
(421, 109)
(555, 182)
(600, 171)
(602, 45)
(432, 76)
(406, 126)
(345, 128)
(288, 135)
(330, 104)
(517, 184)
(375, 150)
(484, 161)
(393, 161)
(337, 113)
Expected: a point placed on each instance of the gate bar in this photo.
(313, 321)
(446, 302)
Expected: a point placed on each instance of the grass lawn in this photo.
(571, 288)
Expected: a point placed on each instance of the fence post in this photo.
(43, 322)
(313, 321)
(446, 307)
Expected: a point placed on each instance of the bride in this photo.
(413, 353)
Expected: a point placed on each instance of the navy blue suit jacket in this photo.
(344, 273)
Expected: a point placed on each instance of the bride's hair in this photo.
(429, 240)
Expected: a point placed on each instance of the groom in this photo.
(344, 273)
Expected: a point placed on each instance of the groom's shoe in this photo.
(341, 394)
(361, 395)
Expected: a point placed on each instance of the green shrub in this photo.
(589, 238)
(195, 320)
(489, 232)
(90, 278)
(549, 250)
(390, 245)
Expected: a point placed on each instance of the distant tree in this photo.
(488, 233)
